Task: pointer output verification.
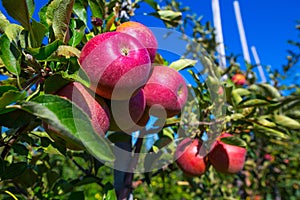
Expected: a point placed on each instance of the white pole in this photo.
(259, 67)
(241, 31)
(218, 32)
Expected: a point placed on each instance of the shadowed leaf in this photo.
(71, 121)
(20, 10)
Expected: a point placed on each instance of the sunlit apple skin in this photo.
(167, 88)
(116, 63)
(94, 107)
(127, 113)
(227, 158)
(190, 158)
(239, 79)
(143, 34)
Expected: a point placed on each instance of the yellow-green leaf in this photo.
(182, 64)
(286, 122)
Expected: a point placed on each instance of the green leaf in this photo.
(236, 97)
(287, 122)
(14, 170)
(84, 180)
(10, 97)
(77, 33)
(290, 103)
(78, 195)
(161, 142)
(72, 122)
(236, 141)
(66, 51)
(167, 132)
(270, 91)
(20, 10)
(44, 52)
(52, 177)
(293, 114)
(265, 122)
(153, 4)
(62, 187)
(20, 149)
(3, 23)
(236, 116)
(38, 33)
(115, 137)
(80, 11)
(13, 32)
(75, 73)
(2, 167)
(43, 16)
(45, 141)
(58, 16)
(173, 120)
(169, 17)
(98, 8)
(110, 193)
(242, 91)
(31, 7)
(53, 83)
(14, 118)
(269, 131)
(10, 55)
(6, 88)
(253, 103)
(182, 64)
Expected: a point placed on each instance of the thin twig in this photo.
(87, 172)
(12, 140)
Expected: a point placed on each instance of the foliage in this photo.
(40, 57)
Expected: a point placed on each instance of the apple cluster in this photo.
(125, 83)
(192, 159)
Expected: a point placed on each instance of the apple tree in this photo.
(92, 106)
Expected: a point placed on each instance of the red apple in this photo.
(143, 34)
(116, 63)
(127, 113)
(239, 79)
(269, 157)
(226, 158)
(190, 157)
(95, 108)
(166, 88)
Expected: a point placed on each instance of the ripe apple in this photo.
(226, 158)
(166, 88)
(239, 79)
(143, 34)
(191, 158)
(116, 63)
(95, 108)
(269, 157)
(125, 114)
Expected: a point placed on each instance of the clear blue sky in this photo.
(268, 25)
